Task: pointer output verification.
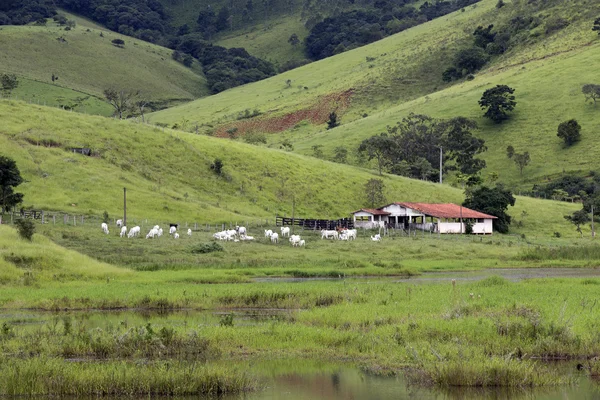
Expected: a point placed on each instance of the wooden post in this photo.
(124, 206)
(74, 220)
(42, 217)
(54, 219)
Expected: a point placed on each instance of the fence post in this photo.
(74, 220)
(42, 217)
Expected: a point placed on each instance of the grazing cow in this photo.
(123, 231)
(189, 232)
(135, 231)
(176, 235)
(153, 232)
(241, 230)
(160, 232)
(285, 231)
(274, 238)
(104, 227)
(172, 230)
(325, 234)
(294, 240)
(246, 237)
(268, 233)
(376, 238)
(302, 243)
(119, 223)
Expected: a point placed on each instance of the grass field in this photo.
(405, 76)
(88, 63)
(172, 179)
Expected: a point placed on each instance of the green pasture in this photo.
(270, 41)
(168, 175)
(88, 63)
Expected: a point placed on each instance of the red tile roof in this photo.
(372, 211)
(445, 210)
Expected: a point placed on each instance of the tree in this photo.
(493, 201)
(596, 26)
(9, 82)
(217, 166)
(499, 101)
(522, 160)
(123, 101)
(510, 151)
(377, 147)
(462, 146)
(10, 177)
(293, 40)
(118, 42)
(484, 36)
(317, 150)
(470, 60)
(340, 154)
(569, 131)
(578, 218)
(333, 121)
(25, 228)
(287, 145)
(374, 192)
(591, 91)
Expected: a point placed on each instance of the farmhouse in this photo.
(432, 217)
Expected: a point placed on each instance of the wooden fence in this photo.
(315, 224)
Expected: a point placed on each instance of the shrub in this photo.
(217, 166)
(118, 42)
(105, 217)
(569, 131)
(205, 248)
(25, 228)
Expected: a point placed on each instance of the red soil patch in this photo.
(316, 114)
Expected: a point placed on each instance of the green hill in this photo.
(86, 62)
(402, 74)
(169, 177)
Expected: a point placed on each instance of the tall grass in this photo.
(56, 377)
(585, 252)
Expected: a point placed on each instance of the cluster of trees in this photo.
(8, 82)
(412, 147)
(357, 28)
(493, 201)
(224, 68)
(488, 42)
(10, 178)
(21, 12)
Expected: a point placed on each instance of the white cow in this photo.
(344, 236)
(123, 231)
(156, 227)
(285, 231)
(119, 223)
(176, 235)
(135, 231)
(294, 240)
(351, 233)
(104, 227)
(153, 232)
(241, 230)
(172, 230)
(189, 232)
(275, 237)
(268, 233)
(325, 234)
(376, 238)
(160, 232)
(302, 243)
(246, 237)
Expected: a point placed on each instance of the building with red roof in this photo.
(432, 217)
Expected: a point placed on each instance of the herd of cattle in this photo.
(240, 234)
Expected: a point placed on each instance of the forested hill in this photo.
(148, 20)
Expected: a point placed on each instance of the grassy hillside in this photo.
(168, 174)
(87, 63)
(403, 75)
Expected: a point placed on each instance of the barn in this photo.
(431, 217)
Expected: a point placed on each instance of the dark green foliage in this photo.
(226, 320)
(499, 101)
(21, 12)
(578, 218)
(468, 227)
(470, 60)
(10, 177)
(105, 217)
(493, 201)
(522, 160)
(8, 82)
(569, 131)
(591, 91)
(484, 36)
(340, 154)
(205, 248)
(293, 40)
(317, 150)
(287, 145)
(573, 185)
(412, 147)
(255, 138)
(188, 60)
(333, 120)
(596, 26)
(217, 166)
(26, 228)
(510, 151)
(118, 42)
(374, 193)
(348, 30)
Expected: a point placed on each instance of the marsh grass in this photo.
(55, 377)
(585, 252)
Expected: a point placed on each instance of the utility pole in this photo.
(293, 211)
(440, 164)
(124, 206)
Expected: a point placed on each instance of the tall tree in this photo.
(463, 146)
(569, 131)
(522, 160)
(122, 100)
(499, 101)
(377, 147)
(578, 218)
(9, 82)
(591, 91)
(493, 201)
(596, 26)
(374, 192)
(10, 177)
(332, 122)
